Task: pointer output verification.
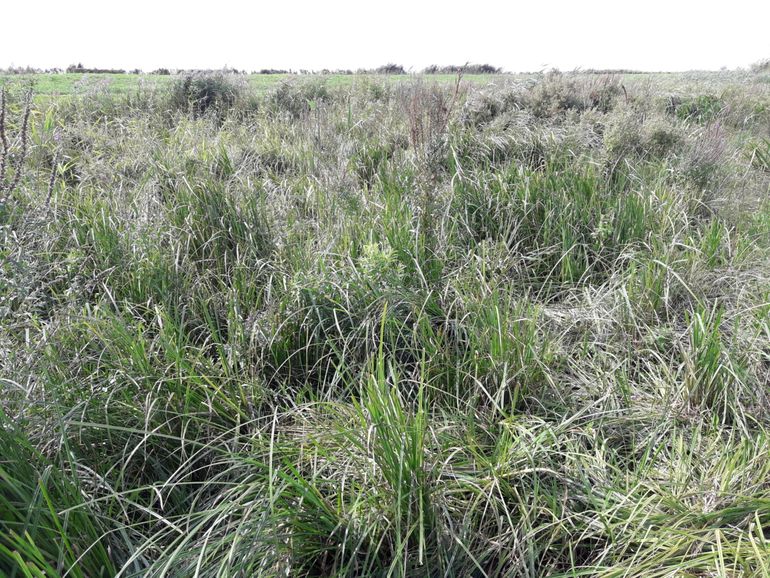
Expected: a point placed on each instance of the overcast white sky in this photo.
(300, 34)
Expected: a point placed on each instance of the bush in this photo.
(661, 138)
(553, 96)
(199, 92)
(557, 94)
(484, 108)
(390, 69)
(629, 135)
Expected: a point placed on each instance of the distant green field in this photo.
(68, 84)
(65, 84)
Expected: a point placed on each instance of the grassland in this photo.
(386, 327)
(70, 84)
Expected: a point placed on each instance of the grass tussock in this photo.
(387, 329)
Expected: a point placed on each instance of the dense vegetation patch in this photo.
(387, 329)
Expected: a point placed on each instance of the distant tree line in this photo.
(29, 70)
(389, 68)
(466, 69)
(79, 68)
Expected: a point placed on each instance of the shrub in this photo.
(429, 110)
(660, 137)
(553, 96)
(390, 69)
(602, 92)
(556, 94)
(485, 107)
(199, 92)
(628, 134)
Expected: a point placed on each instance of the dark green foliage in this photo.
(701, 109)
(80, 69)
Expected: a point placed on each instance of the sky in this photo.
(655, 35)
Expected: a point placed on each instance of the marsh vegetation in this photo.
(517, 327)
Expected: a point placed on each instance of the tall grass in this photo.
(405, 330)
